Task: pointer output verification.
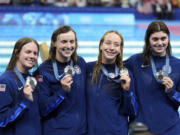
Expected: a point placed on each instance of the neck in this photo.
(63, 60)
(108, 61)
(159, 54)
(21, 68)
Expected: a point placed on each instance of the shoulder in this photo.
(174, 61)
(45, 64)
(133, 58)
(136, 56)
(44, 67)
(81, 60)
(7, 77)
(90, 65)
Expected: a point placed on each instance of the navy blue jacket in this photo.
(64, 112)
(108, 105)
(18, 115)
(157, 109)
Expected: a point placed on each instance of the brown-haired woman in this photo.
(62, 86)
(19, 114)
(157, 79)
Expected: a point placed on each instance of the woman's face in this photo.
(159, 43)
(27, 57)
(65, 46)
(110, 48)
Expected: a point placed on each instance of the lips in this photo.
(68, 49)
(31, 61)
(110, 53)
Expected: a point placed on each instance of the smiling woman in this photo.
(18, 99)
(157, 81)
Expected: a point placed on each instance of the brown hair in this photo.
(119, 59)
(17, 49)
(155, 26)
(56, 33)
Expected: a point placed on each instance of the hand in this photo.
(66, 82)
(168, 83)
(125, 81)
(28, 92)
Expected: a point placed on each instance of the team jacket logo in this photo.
(2, 87)
(39, 78)
(164, 69)
(77, 69)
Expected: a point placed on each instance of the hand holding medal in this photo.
(124, 78)
(29, 88)
(160, 75)
(31, 81)
(67, 80)
(69, 70)
(123, 72)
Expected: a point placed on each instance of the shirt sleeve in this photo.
(12, 103)
(174, 95)
(129, 103)
(49, 97)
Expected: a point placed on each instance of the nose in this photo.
(160, 41)
(32, 55)
(111, 46)
(68, 44)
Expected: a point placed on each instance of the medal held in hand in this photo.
(123, 71)
(31, 81)
(69, 70)
(160, 75)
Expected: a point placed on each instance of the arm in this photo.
(129, 101)
(174, 94)
(12, 105)
(49, 97)
(172, 89)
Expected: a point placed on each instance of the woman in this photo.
(62, 86)
(19, 113)
(157, 79)
(110, 98)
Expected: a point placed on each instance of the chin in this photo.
(29, 66)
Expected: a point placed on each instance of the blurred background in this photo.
(89, 18)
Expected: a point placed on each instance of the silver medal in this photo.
(123, 71)
(31, 81)
(69, 70)
(160, 75)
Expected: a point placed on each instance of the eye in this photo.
(155, 39)
(107, 43)
(163, 38)
(116, 44)
(72, 41)
(63, 41)
(35, 53)
(28, 51)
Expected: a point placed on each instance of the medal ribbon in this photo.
(154, 67)
(116, 73)
(55, 69)
(19, 75)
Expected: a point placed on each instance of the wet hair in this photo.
(17, 49)
(119, 58)
(155, 26)
(56, 33)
